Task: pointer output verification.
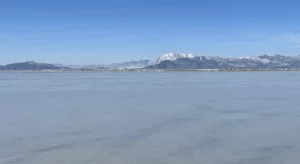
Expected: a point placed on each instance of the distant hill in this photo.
(130, 64)
(73, 66)
(30, 65)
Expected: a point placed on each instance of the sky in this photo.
(107, 31)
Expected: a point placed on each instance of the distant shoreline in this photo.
(160, 70)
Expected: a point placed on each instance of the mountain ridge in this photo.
(189, 61)
(30, 65)
(215, 62)
(175, 61)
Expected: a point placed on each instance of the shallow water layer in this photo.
(134, 118)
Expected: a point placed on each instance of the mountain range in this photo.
(176, 61)
(189, 61)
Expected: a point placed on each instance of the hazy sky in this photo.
(104, 31)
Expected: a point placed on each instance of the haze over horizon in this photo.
(103, 32)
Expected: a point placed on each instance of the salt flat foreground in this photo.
(150, 118)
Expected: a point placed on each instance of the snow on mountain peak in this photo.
(170, 56)
(175, 56)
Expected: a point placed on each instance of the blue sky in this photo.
(105, 31)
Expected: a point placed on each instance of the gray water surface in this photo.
(150, 118)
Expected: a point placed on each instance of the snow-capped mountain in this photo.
(211, 62)
(145, 63)
(188, 61)
(170, 57)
